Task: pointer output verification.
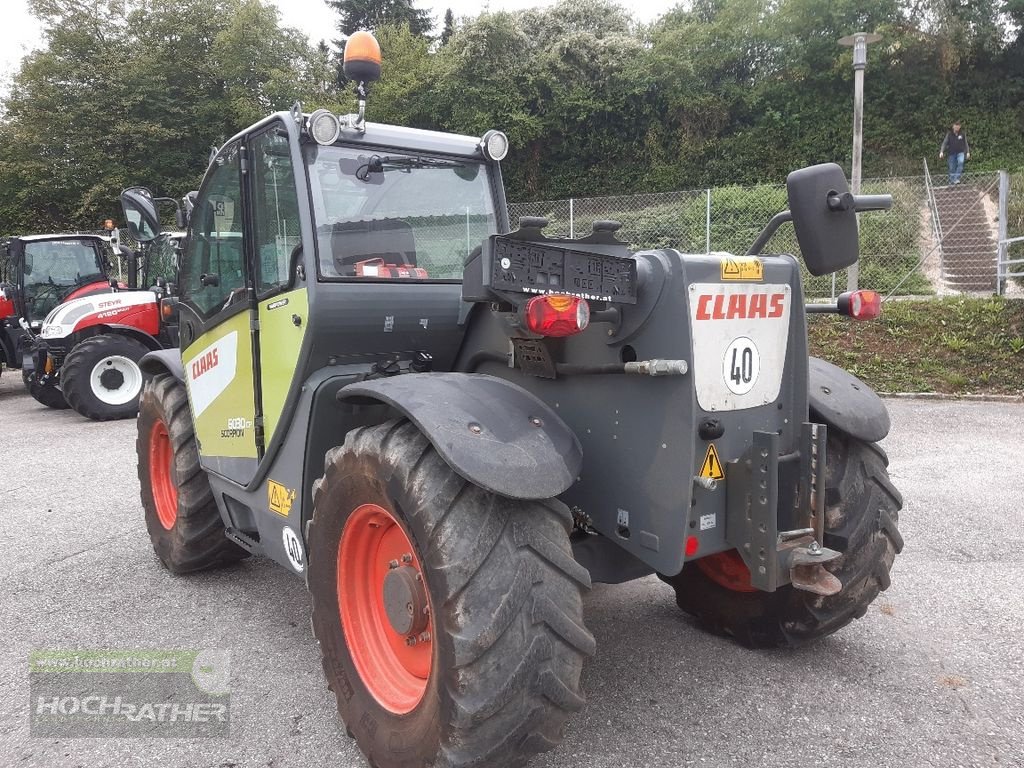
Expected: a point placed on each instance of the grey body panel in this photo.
(841, 400)
(641, 449)
(163, 361)
(490, 431)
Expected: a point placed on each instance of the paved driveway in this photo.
(932, 676)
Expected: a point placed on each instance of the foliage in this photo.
(373, 14)
(952, 345)
(448, 29)
(714, 93)
(136, 93)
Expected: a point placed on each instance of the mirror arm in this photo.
(766, 234)
(873, 202)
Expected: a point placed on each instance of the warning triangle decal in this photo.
(712, 467)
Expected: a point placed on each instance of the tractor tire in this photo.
(47, 394)
(181, 516)
(101, 378)
(861, 517)
(484, 668)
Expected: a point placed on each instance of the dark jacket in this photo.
(955, 143)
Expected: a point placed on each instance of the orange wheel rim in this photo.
(384, 606)
(728, 570)
(161, 461)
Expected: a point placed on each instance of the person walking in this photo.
(955, 145)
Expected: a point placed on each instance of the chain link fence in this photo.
(1012, 234)
(901, 249)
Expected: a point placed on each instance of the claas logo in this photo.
(740, 306)
(205, 363)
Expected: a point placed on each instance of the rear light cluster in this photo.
(860, 305)
(557, 315)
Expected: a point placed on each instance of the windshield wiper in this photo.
(378, 164)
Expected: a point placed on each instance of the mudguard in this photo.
(490, 431)
(841, 400)
(136, 333)
(163, 361)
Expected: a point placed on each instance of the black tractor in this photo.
(450, 429)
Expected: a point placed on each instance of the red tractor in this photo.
(89, 347)
(37, 274)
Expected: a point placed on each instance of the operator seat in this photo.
(390, 240)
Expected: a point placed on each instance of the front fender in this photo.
(841, 400)
(493, 433)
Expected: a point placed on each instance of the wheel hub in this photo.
(384, 607)
(405, 601)
(112, 378)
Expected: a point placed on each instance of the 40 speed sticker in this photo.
(741, 365)
(293, 548)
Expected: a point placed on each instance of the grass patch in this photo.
(951, 345)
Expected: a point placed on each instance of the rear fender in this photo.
(490, 431)
(841, 400)
(163, 361)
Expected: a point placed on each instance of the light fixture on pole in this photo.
(859, 41)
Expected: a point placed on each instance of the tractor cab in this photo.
(40, 272)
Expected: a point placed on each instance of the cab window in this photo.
(275, 210)
(394, 215)
(214, 268)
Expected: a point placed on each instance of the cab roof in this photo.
(393, 136)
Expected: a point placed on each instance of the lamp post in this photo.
(859, 41)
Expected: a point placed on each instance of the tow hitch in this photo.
(774, 557)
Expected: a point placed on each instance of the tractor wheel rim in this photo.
(728, 570)
(395, 668)
(161, 463)
(105, 374)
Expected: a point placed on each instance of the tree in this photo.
(354, 15)
(135, 92)
(449, 27)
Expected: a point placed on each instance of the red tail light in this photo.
(861, 305)
(557, 315)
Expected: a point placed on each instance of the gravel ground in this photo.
(932, 676)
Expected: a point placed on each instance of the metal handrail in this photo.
(933, 204)
(933, 208)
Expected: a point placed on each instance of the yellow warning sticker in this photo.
(279, 498)
(742, 268)
(712, 466)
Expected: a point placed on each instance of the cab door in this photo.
(282, 301)
(217, 322)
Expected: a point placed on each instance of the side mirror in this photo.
(140, 214)
(825, 216)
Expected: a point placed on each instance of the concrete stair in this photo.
(968, 238)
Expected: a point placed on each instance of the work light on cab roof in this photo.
(362, 64)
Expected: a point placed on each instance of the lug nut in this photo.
(410, 641)
(393, 564)
(406, 558)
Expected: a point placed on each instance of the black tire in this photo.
(861, 517)
(195, 539)
(508, 614)
(101, 401)
(48, 393)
